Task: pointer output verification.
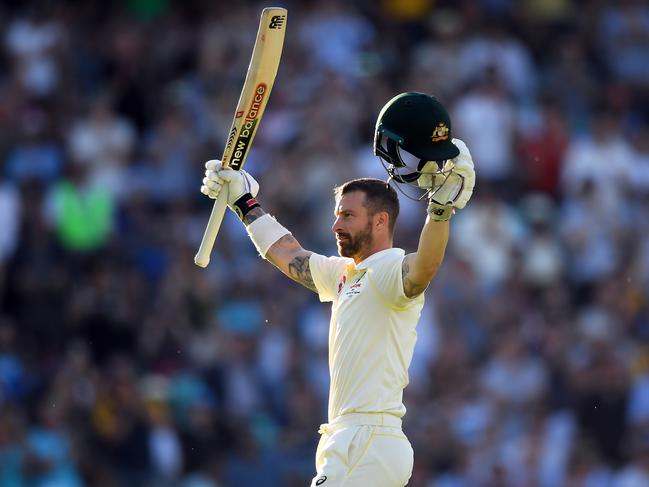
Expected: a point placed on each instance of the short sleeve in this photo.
(386, 277)
(326, 273)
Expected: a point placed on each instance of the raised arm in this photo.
(273, 242)
(458, 177)
(419, 268)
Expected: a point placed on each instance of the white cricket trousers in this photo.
(363, 450)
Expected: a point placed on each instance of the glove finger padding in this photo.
(214, 185)
(240, 183)
(211, 188)
(450, 188)
(453, 184)
(466, 172)
(211, 193)
(213, 165)
(465, 168)
(241, 187)
(443, 184)
(213, 176)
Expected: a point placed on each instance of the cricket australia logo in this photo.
(276, 21)
(356, 284)
(440, 133)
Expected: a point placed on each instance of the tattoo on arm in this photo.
(410, 288)
(299, 271)
(298, 268)
(252, 215)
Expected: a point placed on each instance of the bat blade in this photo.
(260, 78)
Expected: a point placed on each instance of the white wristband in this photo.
(264, 232)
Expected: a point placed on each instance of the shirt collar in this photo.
(367, 261)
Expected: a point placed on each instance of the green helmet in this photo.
(412, 129)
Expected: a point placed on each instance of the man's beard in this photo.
(355, 245)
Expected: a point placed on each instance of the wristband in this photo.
(438, 212)
(264, 232)
(244, 204)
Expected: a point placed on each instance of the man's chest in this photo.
(352, 284)
(356, 308)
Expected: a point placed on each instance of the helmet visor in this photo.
(389, 147)
(402, 166)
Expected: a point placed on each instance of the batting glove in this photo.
(452, 186)
(241, 186)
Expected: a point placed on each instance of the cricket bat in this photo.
(252, 103)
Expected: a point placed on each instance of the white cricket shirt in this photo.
(372, 331)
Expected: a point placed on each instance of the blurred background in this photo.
(124, 365)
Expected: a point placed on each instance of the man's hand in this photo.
(242, 187)
(452, 186)
(464, 168)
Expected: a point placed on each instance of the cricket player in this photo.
(376, 290)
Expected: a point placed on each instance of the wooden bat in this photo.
(252, 103)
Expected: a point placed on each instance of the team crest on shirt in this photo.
(355, 284)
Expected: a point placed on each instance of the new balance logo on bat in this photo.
(276, 21)
(248, 127)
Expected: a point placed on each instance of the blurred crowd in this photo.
(124, 365)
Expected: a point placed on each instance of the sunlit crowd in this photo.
(122, 364)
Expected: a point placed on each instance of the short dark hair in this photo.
(379, 196)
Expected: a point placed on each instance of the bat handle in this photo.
(202, 258)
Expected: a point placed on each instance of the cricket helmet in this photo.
(412, 129)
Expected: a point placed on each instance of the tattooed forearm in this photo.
(410, 288)
(299, 271)
(287, 255)
(252, 215)
(288, 239)
(284, 246)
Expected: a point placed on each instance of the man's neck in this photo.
(376, 248)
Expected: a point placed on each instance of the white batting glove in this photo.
(455, 182)
(465, 169)
(452, 186)
(240, 184)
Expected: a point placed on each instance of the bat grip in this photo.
(202, 258)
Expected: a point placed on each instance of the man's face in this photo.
(353, 226)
